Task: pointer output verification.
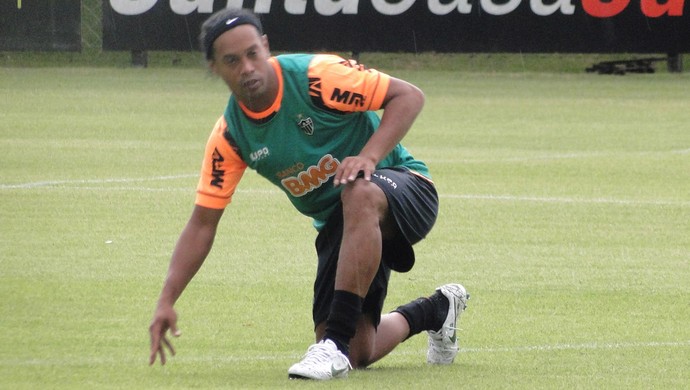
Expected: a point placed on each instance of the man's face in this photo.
(240, 59)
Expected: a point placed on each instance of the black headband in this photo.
(225, 25)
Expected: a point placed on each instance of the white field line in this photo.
(84, 360)
(92, 185)
(545, 199)
(69, 183)
(77, 183)
(494, 350)
(554, 157)
(580, 347)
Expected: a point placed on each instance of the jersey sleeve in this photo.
(345, 85)
(221, 170)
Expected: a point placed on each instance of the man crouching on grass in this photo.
(306, 123)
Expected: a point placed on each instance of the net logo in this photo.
(595, 8)
(311, 178)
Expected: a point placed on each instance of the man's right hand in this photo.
(190, 252)
(165, 318)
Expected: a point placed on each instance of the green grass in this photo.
(459, 62)
(565, 209)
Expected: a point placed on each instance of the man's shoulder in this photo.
(307, 61)
(294, 61)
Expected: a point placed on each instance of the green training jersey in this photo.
(324, 113)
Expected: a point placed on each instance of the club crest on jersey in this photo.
(306, 124)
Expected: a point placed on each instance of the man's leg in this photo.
(356, 265)
(365, 209)
(371, 344)
(365, 223)
(437, 314)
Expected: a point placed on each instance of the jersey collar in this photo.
(268, 113)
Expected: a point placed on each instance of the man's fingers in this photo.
(158, 348)
(154, 352)
(174, 331)
(353, 168)
(167, 343)
(155, 344)
(161, 351)
(152, 358)
(159, 342)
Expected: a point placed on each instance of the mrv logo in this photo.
(347, 97)
(216, 171)
(595, 8)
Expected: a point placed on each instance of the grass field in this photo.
(565, 211)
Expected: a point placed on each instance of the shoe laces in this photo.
(439, 334)
(321, 353)
(442, 349)
(318, 353)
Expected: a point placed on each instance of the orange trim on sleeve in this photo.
(221, 170)
(347, 86)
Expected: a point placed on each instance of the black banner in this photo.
(40, 25)
(565, 26)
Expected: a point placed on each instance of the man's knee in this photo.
(363, 195)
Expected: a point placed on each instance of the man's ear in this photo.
(264, 41)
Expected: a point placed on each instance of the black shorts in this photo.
(413, 202)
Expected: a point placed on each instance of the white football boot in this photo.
(443, 343)
(322, 361)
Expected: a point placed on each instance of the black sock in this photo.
(425, 313)
(341, 324)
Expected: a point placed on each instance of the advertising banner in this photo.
(565, 26)
(40, 25)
